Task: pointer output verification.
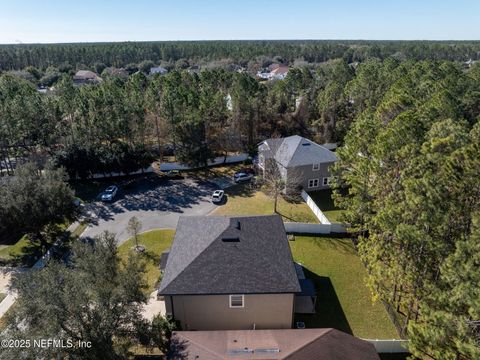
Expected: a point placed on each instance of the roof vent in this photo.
(239, 351)
(273, 350)
(231, 239)
(306, 144)
(238, 225)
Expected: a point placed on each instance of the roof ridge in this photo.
(197, 256)
(329, 330)
(296, 148)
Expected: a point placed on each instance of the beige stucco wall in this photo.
(212, 312)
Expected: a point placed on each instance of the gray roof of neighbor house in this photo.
(230, 255)
(297, 151)
(291, 344)
(158, 69)
(269, 147)
(86, 75)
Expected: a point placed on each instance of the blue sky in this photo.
(30, 21)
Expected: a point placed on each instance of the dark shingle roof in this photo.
(306, 344)
(297, 151)
(211, 255)
(164, 259)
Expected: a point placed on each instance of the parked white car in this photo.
(217, 196)
(110, 193)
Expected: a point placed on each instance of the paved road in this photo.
(157, 203)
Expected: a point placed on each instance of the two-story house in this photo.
(308, 162)
(230, 273)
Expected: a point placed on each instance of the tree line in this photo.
(121, 54)
(410, 163)
(121, 124)
(410, 160)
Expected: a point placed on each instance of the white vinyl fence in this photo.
(217, 161)
(307, 228)
(176, 166)
(325, 226)
(389, 346)
(316, 210)
(114, 174)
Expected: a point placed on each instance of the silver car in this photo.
(242, 176)
(110, 193)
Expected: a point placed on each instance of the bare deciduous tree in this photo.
(277, 181)
(134, 228)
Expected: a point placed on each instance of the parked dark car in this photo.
(173, 174)
(248, 171)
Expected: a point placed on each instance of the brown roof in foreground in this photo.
(291, 344)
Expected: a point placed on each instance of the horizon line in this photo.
(20, 43)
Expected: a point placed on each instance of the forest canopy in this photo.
(404, 114)
(121, 54)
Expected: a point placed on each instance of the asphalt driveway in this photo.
(156, 202)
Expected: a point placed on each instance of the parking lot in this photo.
(156, 202)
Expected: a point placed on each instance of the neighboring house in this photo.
(43, 89)
(230, 273)
(469, 63)
(305, 344)
(158, 70)
(82, 77)
(280, 72)
(299, 158)
(274, 72)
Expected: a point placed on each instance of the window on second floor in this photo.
(316, 167)
(327, 181)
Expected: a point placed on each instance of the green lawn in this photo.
(10, 251)
(79, 229)
(155, 242)
(323, 199)
(25, 252)
(343, 301)
(244, 200)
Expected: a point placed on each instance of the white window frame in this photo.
(315, 183)
(261, 160)
(236, 306)
(327, 181)
(315, 167)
